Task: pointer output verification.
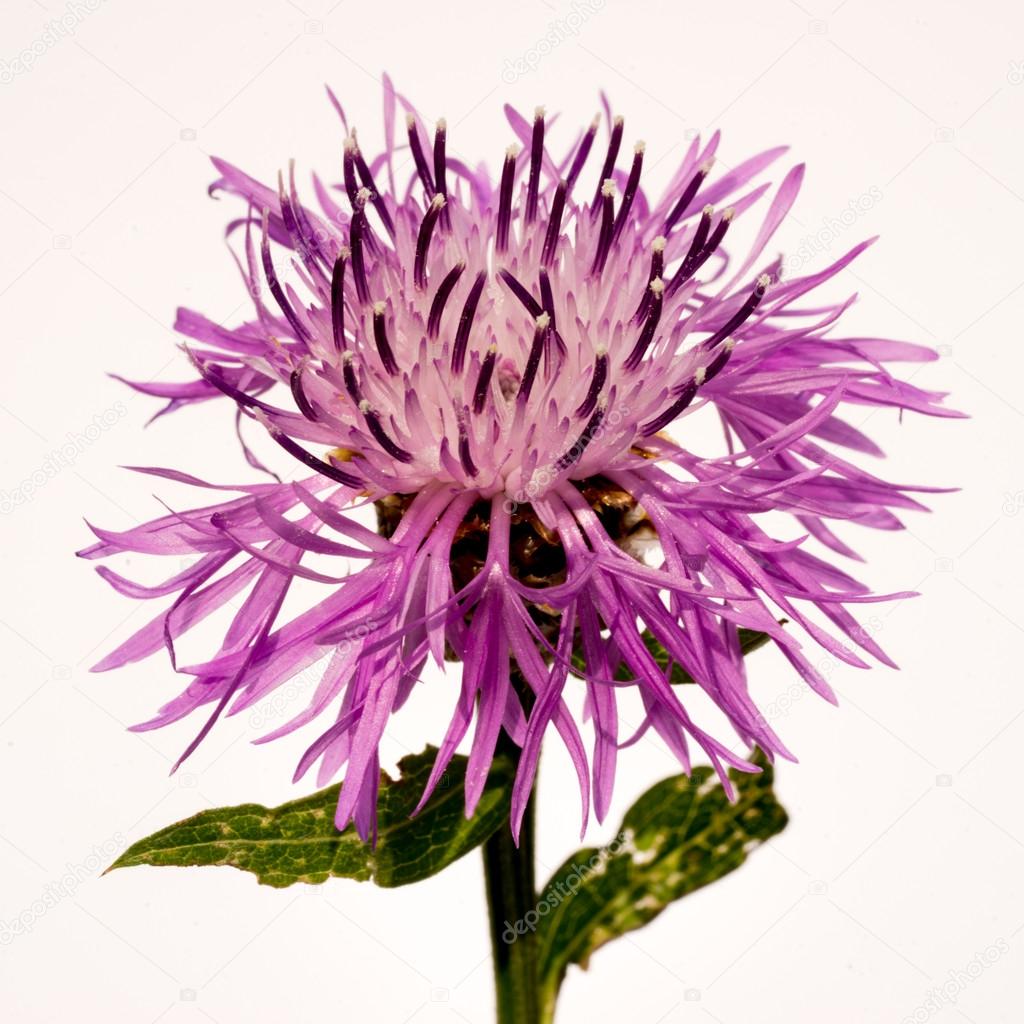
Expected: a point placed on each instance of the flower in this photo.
(495, 364)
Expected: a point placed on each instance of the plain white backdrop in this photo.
(904, 857)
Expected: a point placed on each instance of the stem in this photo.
(510, 895)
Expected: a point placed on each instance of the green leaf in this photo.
(750, 640)
(298, 841)
(682, 834)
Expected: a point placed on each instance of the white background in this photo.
(905, 854)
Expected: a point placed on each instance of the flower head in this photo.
(507, 369)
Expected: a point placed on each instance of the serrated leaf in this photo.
(681, 835)
(750, 640)
(298, 841)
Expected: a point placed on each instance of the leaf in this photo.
(750, 640)
(298, 841)
(681, 835)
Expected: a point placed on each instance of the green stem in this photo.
(511, 896)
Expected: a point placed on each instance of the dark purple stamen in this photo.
(536, 155)
(643, 342)
(466, 323)
(741, 315)
(554, 224)
(214, 374)
(686, 198)
(700, 236)
(348, 162)
(422, 169)
(611, 156)
(440, 161)
(657, 269)
(716, 364)
(376, 198)
(596, 383)
(483, 381)
(533, 360)
(356, 230)
(718, 234)
(686, 396)
(423, 240)
(441, 165)
(348, 373)
(694, 258)
(521, 292)
(508, 174)
(604, 238)
(374, 425)
(632, 184)
(300, 329)
(444, 290)
(575, 453)
(708, 250)
(304, 404)
(581, 156)
(338, 300)
(465, 456)
(547, 301)
(307, 459)
(380, 336)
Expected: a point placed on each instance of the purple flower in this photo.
(495, 364)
